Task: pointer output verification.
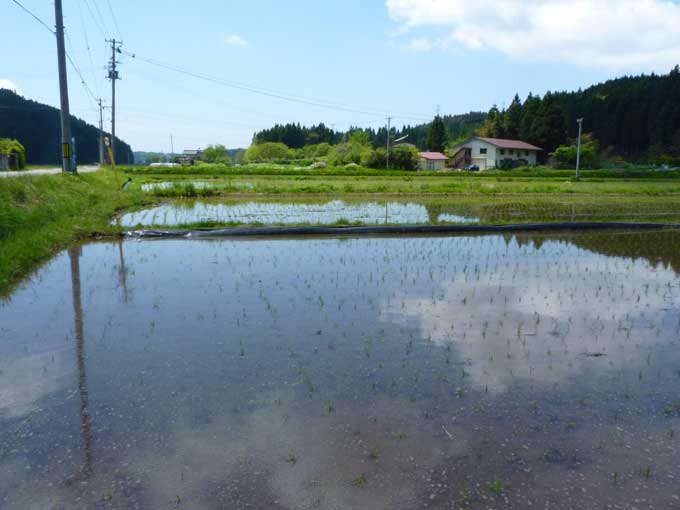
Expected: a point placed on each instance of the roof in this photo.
(434, 156)
(509, 144)
(192, 152)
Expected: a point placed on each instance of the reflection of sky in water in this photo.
(275, 213)
(453, 218)
(196, 184)
(235, 373)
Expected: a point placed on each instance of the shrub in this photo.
(9, 147)
(565, 155)
(268, 152)
(404, 157)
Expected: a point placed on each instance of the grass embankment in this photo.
(40, 215)
(539, 172)
(408, 184)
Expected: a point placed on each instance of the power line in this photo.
(99, 13)
(77, 70)
(97, 22)
(272, 93)
(35, 17)
(115, 21)
(89, 51)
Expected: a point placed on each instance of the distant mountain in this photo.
(38, 127)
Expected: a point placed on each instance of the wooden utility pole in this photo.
(101, 134)
(113, 76)
(66, 156)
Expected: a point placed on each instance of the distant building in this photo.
(494, 153)
(432, 161)
(190, 156)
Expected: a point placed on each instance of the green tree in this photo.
(512, 119)
(565, 155)
(437, 136)
(215, 154)
(493, 125)
(529, 111)
(376, 158)
(404, 157)
(268, 152)
(549, 127)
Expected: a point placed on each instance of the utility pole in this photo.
(101, 134)
(66, 161)
(578, 149)
(113, 76)
(172, 150)
(389, 128)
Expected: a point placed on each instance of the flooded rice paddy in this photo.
(476, 372)
(292, 213)
(404, 211)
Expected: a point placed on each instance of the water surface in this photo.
(392, 373)
(460, 209)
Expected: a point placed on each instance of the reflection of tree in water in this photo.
(85, 426)
(656, 247)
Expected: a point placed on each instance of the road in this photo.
(49, 171)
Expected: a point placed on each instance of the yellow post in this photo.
(113, 161)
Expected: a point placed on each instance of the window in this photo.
(482, 151)
(502, 152)
(526, 153)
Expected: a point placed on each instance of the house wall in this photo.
(427, 164)
(494, 155)
(483, 161)
(515, 154)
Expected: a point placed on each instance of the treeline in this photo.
(637, 118)
(38, 128)
(296, 136)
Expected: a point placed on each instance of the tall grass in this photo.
(40, 215)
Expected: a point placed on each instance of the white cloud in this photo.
(235, 40)
(614, 34)
(8, 84)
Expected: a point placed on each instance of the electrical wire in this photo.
(115, 21)
(97, 22)
(34, 16)
(272, 93)
(89, 51)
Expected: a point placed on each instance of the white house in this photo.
(494, 153)
(432, 161)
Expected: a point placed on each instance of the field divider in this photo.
(390, 229)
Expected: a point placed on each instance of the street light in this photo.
(578, 148)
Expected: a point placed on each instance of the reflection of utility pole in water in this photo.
(85, 427)
(122, 272)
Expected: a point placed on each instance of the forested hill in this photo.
(38, 127)
(296, 136)
(636, 117)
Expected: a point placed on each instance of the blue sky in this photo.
(404, 57)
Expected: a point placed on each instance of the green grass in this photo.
(406, 184)
(639, 172)
(40, 215)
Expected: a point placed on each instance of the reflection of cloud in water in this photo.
(542, 319)
(279, 213)
(26, 380)
(250, 458)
